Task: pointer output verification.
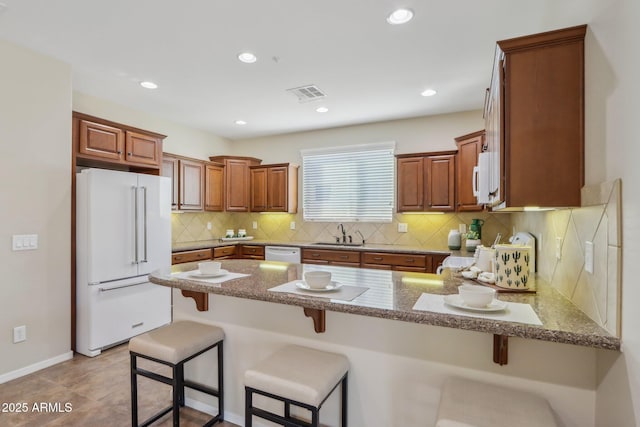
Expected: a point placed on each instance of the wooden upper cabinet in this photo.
(98, 141)
(440, 183)
(142, 148)
(274, 188)
(101, 141)
(213, 187)
(539, 84)
(237, 181)
(426, 182)
(410, 184)
(191, 185)
(258, 189)
(170, 169)
(469, 147)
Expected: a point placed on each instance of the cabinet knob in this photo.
(129, 153)
(119, 151)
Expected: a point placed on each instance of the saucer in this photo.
(330, 287)
(456, 301)
(197, 273)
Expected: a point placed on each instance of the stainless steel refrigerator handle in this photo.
(144, 191)
(121, 287)
(135, 224)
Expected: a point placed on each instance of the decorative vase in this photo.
(454, 240)
(471, 244)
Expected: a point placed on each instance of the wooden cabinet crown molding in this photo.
(89, 118)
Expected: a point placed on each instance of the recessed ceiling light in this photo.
(400, 16)
(247, 57)
(240, 122)
(149, 85)
(428, 92)
(322, 109)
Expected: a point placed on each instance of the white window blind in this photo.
(348, 184)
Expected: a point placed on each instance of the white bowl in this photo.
(209, 267)
(469, 274)
(476, 295)
(317, 279)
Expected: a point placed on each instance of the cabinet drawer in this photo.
(406, 260)
(252, 251)
(190, 256)
(331, 255)
(224, 251)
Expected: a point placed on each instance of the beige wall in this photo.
(180, 139)
(433, 133)
(613, 105)
(35, 183)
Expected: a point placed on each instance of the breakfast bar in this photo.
(393, 295)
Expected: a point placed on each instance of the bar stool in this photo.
(297, 376)
(476, 404)
(174, 345)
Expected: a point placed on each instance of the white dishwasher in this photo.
(282, 253)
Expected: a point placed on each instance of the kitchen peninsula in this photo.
(392, 295)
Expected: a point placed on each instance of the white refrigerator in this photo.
(123, 232)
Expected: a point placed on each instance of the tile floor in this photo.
(97, 391)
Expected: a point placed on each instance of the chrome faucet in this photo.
(344, 234)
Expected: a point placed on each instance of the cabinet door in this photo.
(410, 186)
(468, 151)
(440, 183)
(259, 191)
(191, 185)
(101, 141)
(237, 185)
(143, 149)
(277, 189)
(214, 187)
(170, 170)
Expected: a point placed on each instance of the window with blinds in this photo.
(349, 184)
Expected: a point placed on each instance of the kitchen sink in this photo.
(337, 244)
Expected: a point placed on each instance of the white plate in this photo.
(196, 273)
(456, 301)
(330, 287)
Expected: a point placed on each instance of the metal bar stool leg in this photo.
(344, 401)
(248, 404)
(134, 391)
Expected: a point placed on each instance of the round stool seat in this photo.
(177, 341)
(298, 373)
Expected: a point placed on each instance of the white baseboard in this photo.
(35, 367)
(212, 410)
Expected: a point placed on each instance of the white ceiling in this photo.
(370, 70)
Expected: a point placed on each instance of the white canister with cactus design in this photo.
(512, 265)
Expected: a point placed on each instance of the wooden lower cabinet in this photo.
(251, 252)
(427, 263)
(190, 256)
(331, 257)
(224, 252)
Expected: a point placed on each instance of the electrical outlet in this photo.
(19, 334)
(255, 225)
(558, 248)
(588, 257)
(403, 227)
(292, 225)
(462, 228)
(539, 243)
(209, 225)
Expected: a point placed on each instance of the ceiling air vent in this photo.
(307, 93)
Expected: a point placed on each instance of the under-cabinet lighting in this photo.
(422, 213)
(409, 280)
(273, 266)
(536, 209)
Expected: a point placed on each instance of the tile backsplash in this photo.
(598, 221)
(424, 230)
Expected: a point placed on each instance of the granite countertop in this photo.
(204, 244)
(392, 295)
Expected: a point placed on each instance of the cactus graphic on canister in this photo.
(513, 264)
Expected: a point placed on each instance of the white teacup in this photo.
(209, 267)
(317, 279)
(475, 295)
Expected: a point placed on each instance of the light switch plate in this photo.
(588, 257)
(292, 225)
(209, 225)
(255, 225)
(24, 242)
(403, 227)
(19, 334)
(558, 248)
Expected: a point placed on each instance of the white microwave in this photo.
(481, 175)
